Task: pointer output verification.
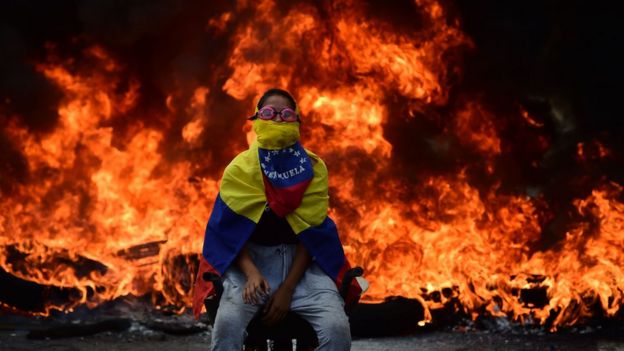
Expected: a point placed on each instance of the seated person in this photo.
(270, 238)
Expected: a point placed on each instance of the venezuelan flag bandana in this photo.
(293, 182)
(287, 173)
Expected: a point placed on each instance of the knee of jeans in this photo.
(228, 323)
(334, 330)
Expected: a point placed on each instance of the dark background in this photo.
(546, 55)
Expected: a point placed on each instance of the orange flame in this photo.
(114, 197)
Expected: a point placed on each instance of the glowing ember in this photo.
(105, 189)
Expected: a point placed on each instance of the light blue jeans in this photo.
(315, 298)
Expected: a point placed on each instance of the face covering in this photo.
(276, 135)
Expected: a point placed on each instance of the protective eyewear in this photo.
(268, 113)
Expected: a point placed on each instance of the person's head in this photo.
(277, 105)
(276, 121)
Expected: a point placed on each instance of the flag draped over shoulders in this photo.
(293, 182)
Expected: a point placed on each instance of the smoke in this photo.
(560, 60)
(556, 59)
(529, 105)
(161, 44)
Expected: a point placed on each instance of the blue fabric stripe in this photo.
(324, 245)
(286, 167)
(226, 234)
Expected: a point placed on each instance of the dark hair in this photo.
(276, 91)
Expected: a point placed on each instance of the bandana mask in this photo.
(275, 135)
(286, 166)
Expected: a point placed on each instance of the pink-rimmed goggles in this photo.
(269, 112)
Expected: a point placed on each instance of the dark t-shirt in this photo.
(273, 230)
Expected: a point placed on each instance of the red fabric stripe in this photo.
(354, 291)
(283, 201)
(202, 289)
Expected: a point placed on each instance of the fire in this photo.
(100, 199)
(591, 151)
(114, 206)
(193, 129)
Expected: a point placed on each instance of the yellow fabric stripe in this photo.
(242, 190)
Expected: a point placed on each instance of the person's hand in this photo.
(255, 288)
(278, 306)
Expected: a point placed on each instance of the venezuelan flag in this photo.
(294, 183)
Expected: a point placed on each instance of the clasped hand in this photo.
(278, 305)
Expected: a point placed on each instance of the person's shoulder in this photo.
(242, 161)
(315, 158)
(320, 169)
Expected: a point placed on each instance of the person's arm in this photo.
(301, 262)
(279, 304)
(256, 284)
